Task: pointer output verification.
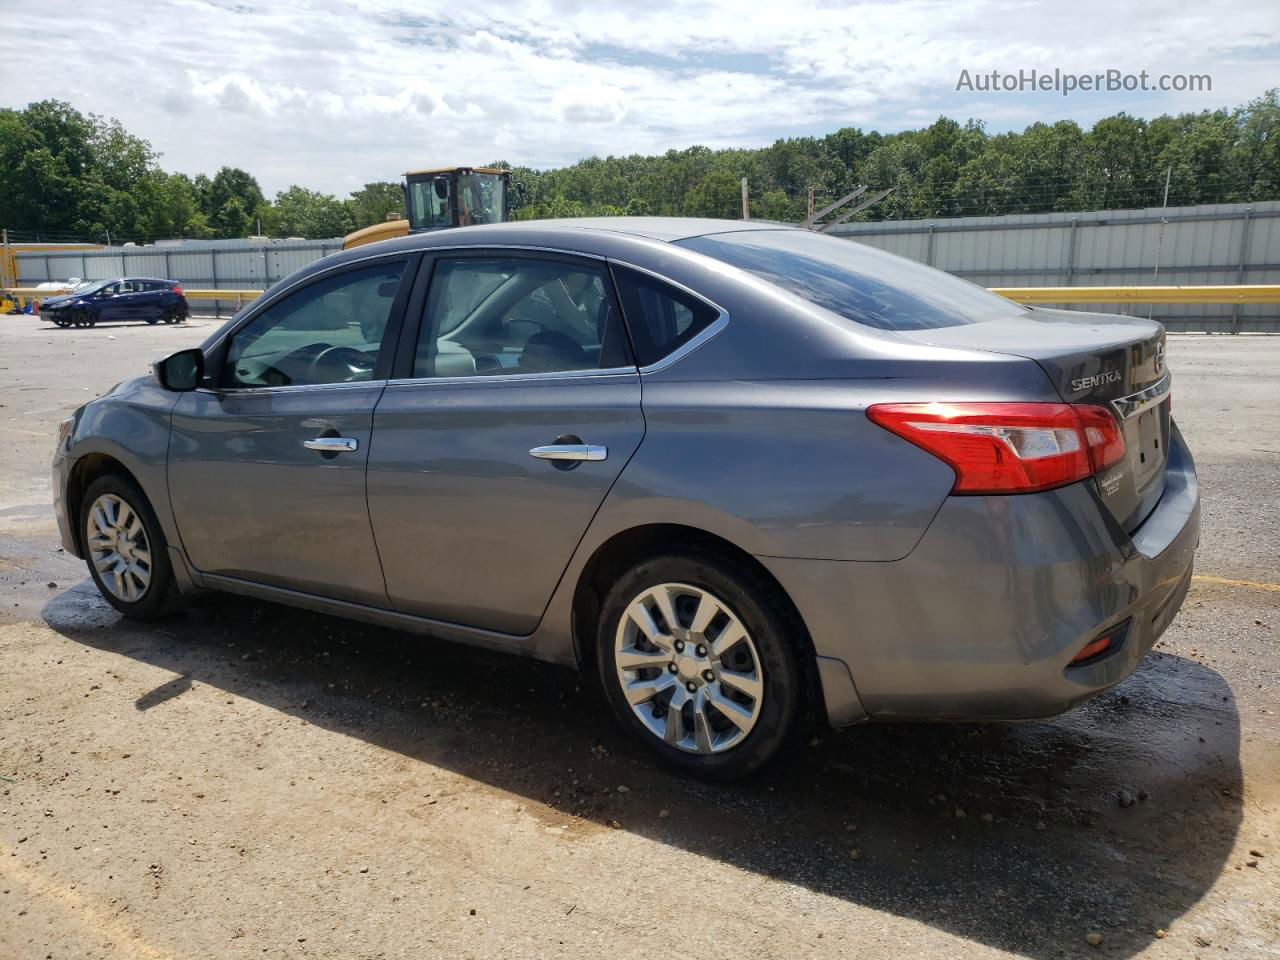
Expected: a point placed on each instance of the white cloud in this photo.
(331, 94)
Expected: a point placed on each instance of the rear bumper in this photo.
(983, 618)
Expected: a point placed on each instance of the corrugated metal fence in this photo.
(207, 264)
(1214, 244)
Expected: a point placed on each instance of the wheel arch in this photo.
(635, 544)
(84, 472)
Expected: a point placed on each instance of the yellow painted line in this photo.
(1249, 584)
(46, 434)
(102, 923)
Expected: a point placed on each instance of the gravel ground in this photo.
(246, 780)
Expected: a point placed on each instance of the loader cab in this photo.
(440, 198)
(458, 197)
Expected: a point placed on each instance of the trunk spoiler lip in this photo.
(1144, 399)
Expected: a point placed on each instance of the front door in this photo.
(516, 412)
(267, 464)
(114, 302)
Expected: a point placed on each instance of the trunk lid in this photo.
(1117, 362)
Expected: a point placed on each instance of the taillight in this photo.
(1102, 435)
(176, 289)
(1008, 447)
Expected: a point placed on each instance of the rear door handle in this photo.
(332, 444)
(570, 451)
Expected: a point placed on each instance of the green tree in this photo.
(306, 213)
(374, 201)
(718, 194)
(231, 220)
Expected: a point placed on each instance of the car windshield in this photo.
(91, 286)
(856, 281)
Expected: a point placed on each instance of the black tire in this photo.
(161, 596)
(785, 660)
(63, 322)
(152, 321)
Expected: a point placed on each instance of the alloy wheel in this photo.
(688, 668)
(118, 547)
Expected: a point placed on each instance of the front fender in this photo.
(131, 426)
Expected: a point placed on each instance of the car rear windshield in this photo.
(856, 281)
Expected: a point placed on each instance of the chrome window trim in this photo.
(256, 391)
(515, 377)
(703, 335)
(1136, 403)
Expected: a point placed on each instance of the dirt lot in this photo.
(245, 780)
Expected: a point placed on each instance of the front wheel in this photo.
(125, 549)
(703, 665)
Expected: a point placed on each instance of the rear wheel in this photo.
(701, 663)
(173, 315)
(125, 549)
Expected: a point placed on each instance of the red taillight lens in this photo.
(1102, 434)
(1008, 447)
(176, 289)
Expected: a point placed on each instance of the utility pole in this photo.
(808, 215)
(746, 206)
(1164, 207)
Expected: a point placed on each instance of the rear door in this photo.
(149, 300)
(515, 409)
(127, 304)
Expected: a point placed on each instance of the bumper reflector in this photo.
(1100, 645)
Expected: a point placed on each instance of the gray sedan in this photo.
(756, 477)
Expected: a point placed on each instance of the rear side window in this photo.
(660, 317)
(856, 281)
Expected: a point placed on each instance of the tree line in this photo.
(65, 175)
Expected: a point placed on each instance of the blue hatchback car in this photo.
(121, 298)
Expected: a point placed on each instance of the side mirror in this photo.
(181, 371)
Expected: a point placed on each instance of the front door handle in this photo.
(332, 444)
(570, 451)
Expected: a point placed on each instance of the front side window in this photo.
(509, 315)
(856, 281)
(429, 204)
(330, 331)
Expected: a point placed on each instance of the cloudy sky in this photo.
(331, 94)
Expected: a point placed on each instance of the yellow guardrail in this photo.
(1236, 293)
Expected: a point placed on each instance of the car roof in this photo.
(638, 239)
(657, 228)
